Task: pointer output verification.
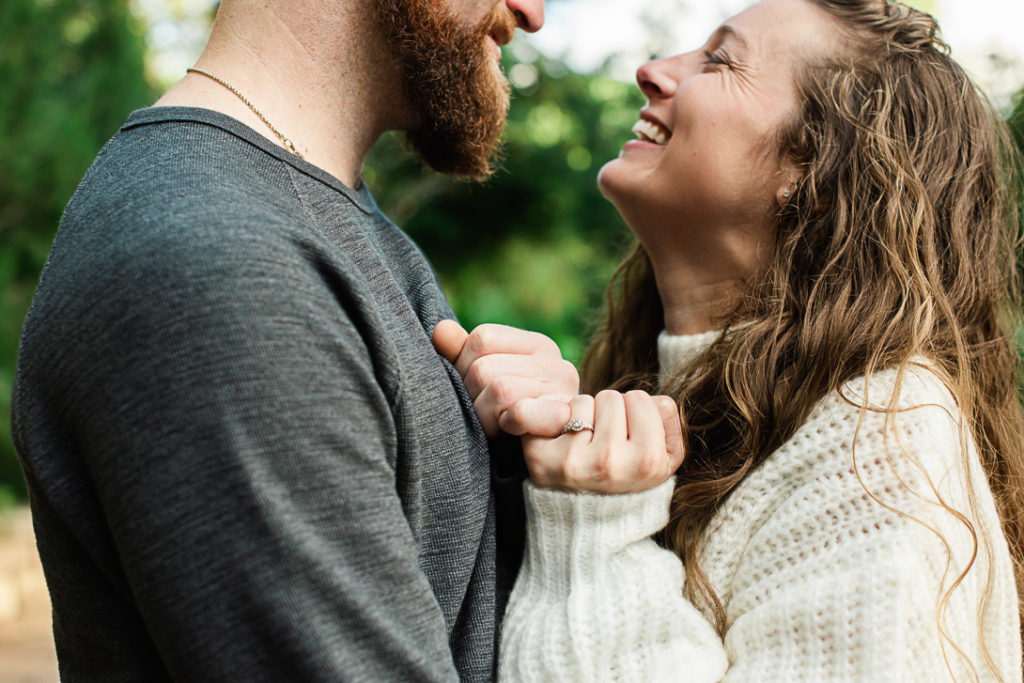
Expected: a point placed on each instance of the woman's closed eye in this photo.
(717, 58)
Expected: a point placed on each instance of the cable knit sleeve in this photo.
(844, 556)
(598, 600)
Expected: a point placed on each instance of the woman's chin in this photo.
(609, 179)
(621, 184)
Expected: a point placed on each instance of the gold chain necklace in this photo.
(284, 141)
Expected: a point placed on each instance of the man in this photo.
(245, 460)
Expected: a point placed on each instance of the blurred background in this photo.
(533, 247)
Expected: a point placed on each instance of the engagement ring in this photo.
(576, 425)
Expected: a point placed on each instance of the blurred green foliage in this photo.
(1016, 120)
(70, 70)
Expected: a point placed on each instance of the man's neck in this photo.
(320, 77)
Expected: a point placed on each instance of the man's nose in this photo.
(529, 14)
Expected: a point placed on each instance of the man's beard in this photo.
(459, 97)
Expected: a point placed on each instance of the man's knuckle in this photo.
(547, 345)
(489, 335)
(503, 390)
(479, 340)
(480, 373)
(516, 413)
(568, 372)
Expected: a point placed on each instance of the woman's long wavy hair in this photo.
(899, 242)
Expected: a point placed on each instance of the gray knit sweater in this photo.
(245, 459)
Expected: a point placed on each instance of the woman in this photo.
(822, 283)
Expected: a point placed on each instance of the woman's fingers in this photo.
(643, 417)
(635, 446)
(552, 462)
(672, 424)
(610, 418)
(646, 436)
(582, 407)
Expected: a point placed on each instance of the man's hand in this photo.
(503, 366)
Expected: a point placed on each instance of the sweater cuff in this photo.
(595, 523)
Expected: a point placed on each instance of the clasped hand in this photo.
(520, 385)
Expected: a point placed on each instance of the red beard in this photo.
(458, 94)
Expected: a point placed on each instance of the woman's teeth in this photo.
(651, 132)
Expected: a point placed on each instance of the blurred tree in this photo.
(535, 246)
(1016, 123)
(1016, 120)
(70, 71)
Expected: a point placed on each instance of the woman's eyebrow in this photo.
(726, 30)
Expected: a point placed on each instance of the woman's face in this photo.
(707, 154)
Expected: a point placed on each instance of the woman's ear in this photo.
(788, 176)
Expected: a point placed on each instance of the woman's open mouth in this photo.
(649, 131)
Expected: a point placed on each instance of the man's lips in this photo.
(495, 46)
(502, 30)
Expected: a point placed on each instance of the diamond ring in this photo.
(576, 425)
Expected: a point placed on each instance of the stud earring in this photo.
(786, 193)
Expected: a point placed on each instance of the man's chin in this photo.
(467, 159)
(465, 144)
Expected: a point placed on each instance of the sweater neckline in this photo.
(675, 350)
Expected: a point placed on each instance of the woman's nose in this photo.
(656, 79)
(529, 13)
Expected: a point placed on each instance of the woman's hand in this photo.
(502, 366)
(635, 445)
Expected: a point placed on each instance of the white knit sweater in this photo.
(830, 561)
